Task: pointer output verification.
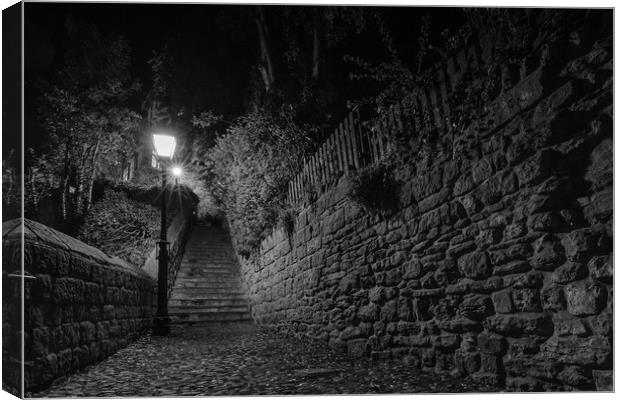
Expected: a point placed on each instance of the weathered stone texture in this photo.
(82, 306)
(508, 246)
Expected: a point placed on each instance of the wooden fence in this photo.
(352, 145)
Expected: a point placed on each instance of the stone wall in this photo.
(80, 307)
(498, 262)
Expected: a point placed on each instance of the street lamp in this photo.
(176, 172)
(164, 149)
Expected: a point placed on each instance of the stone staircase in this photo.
(208, 285)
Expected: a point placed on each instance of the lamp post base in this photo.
(161, 326)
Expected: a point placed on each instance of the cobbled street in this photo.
(244, 360)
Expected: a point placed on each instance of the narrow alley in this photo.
(240, 359)
(287, 199)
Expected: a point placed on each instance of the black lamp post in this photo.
(164, 149)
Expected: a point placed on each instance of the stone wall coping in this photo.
(44, 236)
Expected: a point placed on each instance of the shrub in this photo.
(374, 188)
(287, 219)
(122, 227)
(179, 197)
(249, 169)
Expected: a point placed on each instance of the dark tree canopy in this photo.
(102, 76)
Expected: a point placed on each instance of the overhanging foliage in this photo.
(249, 168)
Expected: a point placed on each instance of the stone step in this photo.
(213, 238)
(199, 309)
(205, 273)
(212, 232)
(209, 276)
(217, 271)
(210, 241)
(201, 283)
(208, 317)
(203, 292)
(209, 302)
(207, 295)
(207, 258)
(199, 262)
(208, 264)
(191, 253)
(208, 253)
(201, 259)
(219, 251)
(206, 277)
(208, 268)
(210, 285)
(194, 257)
(202, 255)
(185, 276)
(228, 252)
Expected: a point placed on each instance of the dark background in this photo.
(213, 55)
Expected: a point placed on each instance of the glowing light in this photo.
(164, 145)
(176, 171)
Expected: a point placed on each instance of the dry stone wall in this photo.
(497, 265)
(80, 307)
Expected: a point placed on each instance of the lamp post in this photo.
(164, 149)
(176, 171)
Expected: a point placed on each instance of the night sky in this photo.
(213, 61)
(189, 29)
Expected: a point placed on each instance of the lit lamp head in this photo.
(164, 145)
(176, 171)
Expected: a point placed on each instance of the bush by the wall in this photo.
(249, 169)
(374, 187)
(286, 220)
(122, 227)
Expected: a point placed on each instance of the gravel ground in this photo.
(242, 360)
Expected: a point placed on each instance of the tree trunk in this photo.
(265, 67)
(89, 199)
(80, 178)
(33, 198)
(64, 204)
(316, 47)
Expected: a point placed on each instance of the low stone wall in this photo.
(497, 264)
(81, 307)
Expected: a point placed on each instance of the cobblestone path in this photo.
(242, 360)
